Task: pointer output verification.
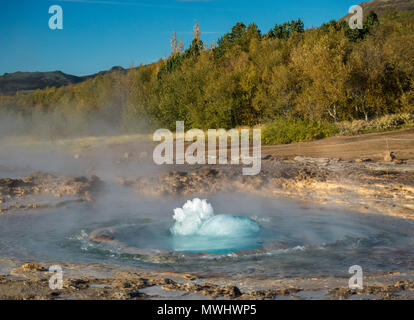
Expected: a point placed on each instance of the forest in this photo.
(298, 84)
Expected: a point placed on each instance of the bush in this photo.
(385, 123)
(284, 131)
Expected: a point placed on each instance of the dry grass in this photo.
(73, 144)
(385, 123)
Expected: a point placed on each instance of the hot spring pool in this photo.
(235, 235)
(195, 229)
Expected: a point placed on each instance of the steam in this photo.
(59, 123)
(63, 140)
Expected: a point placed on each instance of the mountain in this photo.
(10, 83)
(383, 7)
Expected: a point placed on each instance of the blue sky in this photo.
(99, 34)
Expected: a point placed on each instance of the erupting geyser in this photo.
(197, 229)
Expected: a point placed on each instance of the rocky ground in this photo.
(366, 186)
(367, 179)
(25, 194)
(363, 185)
(81, 281)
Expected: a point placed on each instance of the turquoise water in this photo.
(198, 230)
(243, 236)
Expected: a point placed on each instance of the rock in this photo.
(39, 177)
(207, 289)
(230, 291)
(363, 160)
(208, 172)
(32, 267)
(400, 285)
(78, 284)
(105, 235)
(389, 156)
(178, 173)
(300, 159)
(127, 155)
(319, 161)
(76, 156)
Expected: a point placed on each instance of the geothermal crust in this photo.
(363, 185)
(82, 281)
(22, 194)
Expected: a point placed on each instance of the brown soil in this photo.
(373, 146)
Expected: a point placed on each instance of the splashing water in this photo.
(197, 229)
(191, 217)
(293, 241)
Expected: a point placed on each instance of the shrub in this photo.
(385, 123)
(284, 131)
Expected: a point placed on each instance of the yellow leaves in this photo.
(322, 74)
(315, 75)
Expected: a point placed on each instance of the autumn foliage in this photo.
(310, 78)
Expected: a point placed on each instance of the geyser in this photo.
(197, 229)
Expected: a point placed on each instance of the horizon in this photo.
(99, 34)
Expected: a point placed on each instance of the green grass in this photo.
(285, 131)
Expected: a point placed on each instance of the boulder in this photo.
(389, 156)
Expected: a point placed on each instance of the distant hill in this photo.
(382, 7)
(10, 83)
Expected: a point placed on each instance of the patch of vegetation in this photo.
(302, 82)
(285, 131)
(382, 124)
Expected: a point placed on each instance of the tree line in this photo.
(325, 75)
